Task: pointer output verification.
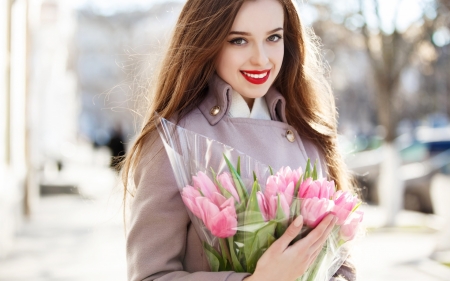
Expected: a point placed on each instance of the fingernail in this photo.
(298, 221)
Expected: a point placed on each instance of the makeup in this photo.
(255, 76)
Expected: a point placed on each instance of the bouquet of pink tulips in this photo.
(239, 212)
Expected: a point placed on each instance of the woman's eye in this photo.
(238, 41)
(275, 38)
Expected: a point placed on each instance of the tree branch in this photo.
(367, 36)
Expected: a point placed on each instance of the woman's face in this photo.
(252, 55)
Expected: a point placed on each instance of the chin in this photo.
(255, 95)
(258, 93)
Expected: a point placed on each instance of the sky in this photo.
(410, 10)
(112, 6)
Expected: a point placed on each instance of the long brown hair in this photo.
(188, 65)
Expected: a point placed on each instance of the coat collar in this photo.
(220, 94)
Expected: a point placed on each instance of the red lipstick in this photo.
(255, 73)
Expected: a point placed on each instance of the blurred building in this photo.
(53, 100)
(69, 76)
(115, 56)
(38, 103)
(13, 130)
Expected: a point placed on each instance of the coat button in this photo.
(290, 136)
(215, 110)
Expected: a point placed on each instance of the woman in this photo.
(246, 74)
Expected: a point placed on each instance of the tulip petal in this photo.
(262, 205)
(188, 195)
(204, 184)
(224, 224)
(314, 210)
(227, 183)
(207, 209)
(350, 228)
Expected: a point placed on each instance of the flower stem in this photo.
(224, 249)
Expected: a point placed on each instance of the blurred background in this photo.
(72, 74)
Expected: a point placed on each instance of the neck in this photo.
(249, 102)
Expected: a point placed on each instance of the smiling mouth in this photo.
(256, 77)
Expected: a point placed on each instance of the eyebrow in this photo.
(248, 34)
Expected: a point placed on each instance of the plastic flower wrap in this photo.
(239, 206)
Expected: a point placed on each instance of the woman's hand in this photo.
(286, 263)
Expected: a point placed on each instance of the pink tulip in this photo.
(221, 220)
(319, 188)
(344, 202)
(278, 184)
(203, 183)
(350, 227)
(314, 210)
(290, 175)
(227, 182)
(189, 194)
(263, 205)
(281, 185)
(269, 207)
(304, 186)
(273, 205)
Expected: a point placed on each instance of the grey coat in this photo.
(161, 243)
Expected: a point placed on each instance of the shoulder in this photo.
(151, 156)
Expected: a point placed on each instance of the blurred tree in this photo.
(392, 40)
(395, 35)
(390, 53)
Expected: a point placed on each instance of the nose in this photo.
(259, 55)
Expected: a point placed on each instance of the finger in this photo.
(314, 255)
(291, 232)
(323, 238)
(315, 239)
(317, 232)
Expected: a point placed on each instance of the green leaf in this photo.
(270, 240)
(236, 264)
(297, 185)
(271, 171)
(252, 260)
(268, 228)
(280, 215)
(238, 167)
(295, 209)
(308, 169)
(214, 258)
(281, 219)
(264, 237)
(223, 191)
(240, 187)
(254, 177)
(226, 257)
(240, 209)
(253, 213)
(314, 173)
(253, 221)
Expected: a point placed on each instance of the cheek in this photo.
(219, 62)
(278, 56)
(228, 62)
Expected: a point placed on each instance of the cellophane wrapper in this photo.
(191, 153)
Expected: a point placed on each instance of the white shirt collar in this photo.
(240, 109)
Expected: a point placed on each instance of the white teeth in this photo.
(256, 76)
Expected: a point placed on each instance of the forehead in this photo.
(257, 15)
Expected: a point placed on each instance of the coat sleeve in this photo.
(346, 272)
(158, 223)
